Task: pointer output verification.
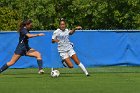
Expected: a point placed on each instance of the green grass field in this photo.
(102, 80)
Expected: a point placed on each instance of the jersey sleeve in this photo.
(68, 30)
(54, 35)
(24, 31)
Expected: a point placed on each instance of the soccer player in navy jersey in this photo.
(23, 48)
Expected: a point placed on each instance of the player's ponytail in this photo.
(24, 23)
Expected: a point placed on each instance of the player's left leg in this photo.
(37, 55)
(77, 61)
(13, 60)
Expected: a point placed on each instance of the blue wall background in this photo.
(94, 48)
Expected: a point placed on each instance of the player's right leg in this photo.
(68, 62)
(10, 63)
(65, 58)
(33, 53)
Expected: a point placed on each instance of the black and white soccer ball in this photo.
(55, 73)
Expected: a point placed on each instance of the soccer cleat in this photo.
(87, 75)
(41, 71)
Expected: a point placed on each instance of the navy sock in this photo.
(40, 64)
(3, 68)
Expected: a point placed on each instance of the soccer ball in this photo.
(55, 73)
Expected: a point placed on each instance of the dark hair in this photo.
(24, 23)
(62, 20)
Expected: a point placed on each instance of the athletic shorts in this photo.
(22, 49)
(67, 54)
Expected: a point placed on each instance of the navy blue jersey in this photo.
(23, 46)
(23, 38)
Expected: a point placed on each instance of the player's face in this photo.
(62, 25)
(29, 26)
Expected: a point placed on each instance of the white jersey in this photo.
(64, 43)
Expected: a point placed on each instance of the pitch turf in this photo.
(102, 80)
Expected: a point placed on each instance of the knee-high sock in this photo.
(40, 64)
(83, 68)
(3, 68)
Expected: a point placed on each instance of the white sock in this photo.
(83, 68)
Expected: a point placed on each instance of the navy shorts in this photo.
(22, 49)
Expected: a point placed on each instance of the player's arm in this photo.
(34, 35)
(55, 40)
(54, 37)
(25, 32)
(73, 30)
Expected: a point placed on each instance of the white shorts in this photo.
(67, 54)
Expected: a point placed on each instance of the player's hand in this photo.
(41, 34)
(78, 27)
(56, 40)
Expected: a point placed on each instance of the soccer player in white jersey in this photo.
(65, 47)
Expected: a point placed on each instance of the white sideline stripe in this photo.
(110, 30)
(30, 31)
(78, 30)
